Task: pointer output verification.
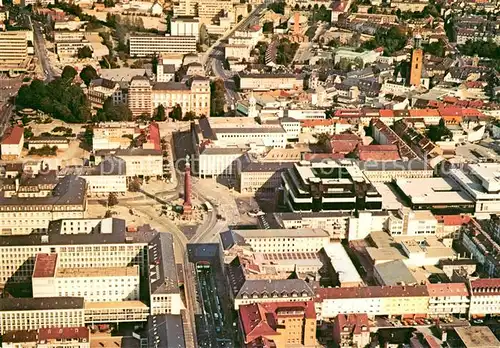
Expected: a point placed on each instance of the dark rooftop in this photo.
(40, 303)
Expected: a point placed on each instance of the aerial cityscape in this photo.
(249, 173)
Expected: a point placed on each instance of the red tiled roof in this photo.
(423, 113)
(386, 113)
(45, 265)
(485, 283)
(261, 319)
(348, 113)
(154, 135)
(355, 323)
(345, 137)
(450, 111)
(63, 333)
(371, 292)
(453, 220)
(472, 112)
(447, 289)
(379, 156)
(315, 123)
(13, 136)
(473, 84)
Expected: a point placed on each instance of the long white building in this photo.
(149, 45)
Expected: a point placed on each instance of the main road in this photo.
(41, 52)
(214, 57)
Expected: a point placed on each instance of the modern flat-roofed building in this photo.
(472, 337)
(29, 203)
(284, 81)
(347, 274)
(43, 312)
(439, 195)
(261, 177)
(328, 186)
(148, 45)
(185, 26)
(387, 171)
(393, 273)
(278, 240)
(410, 223)
(13, 50)
(94, 284)
(113, 135)
(138, 162)
(220, 161)
(481, 181)
(115, 312)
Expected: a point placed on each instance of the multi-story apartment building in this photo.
(448, 299)
(29, 203)
(482, 246)
(328, 186)
(70, 48)
(68, 35)
(351, 330)
(139, 96)
(68, 337)
(282, 323)
(115, 312)
(485, 297)
(95, 284)
(43, 312)
(191, 97)
(401, 300)
(149, 45)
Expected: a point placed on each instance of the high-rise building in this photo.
(149, 45)
(13, 47)
(417, 62)
(139, 96)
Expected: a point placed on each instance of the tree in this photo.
(217, 97)
(88, 74)
(116, 112)
(160, 114)
(176, 113)
(28, 133)
(278, 7)
(268, 27)
(135, 185)
(68, 73)
(249, 8)
(190, 116)
(84, 52)
(204, 40)
(154, 63)
(435, 48)
(240, 17)
(112, 199)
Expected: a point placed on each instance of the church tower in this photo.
(417, 62)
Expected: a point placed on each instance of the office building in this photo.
(149, 45)
(286, 81)
(282, 324)
(96, 284)
(216, 162)
(30, 202)
(410, 223)
(328, 186)
(43, 312)
(139, 96)
(278, 240)
(480, 181)
(185, 26)
(261, 177)
(143, 163)
(13, 50)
